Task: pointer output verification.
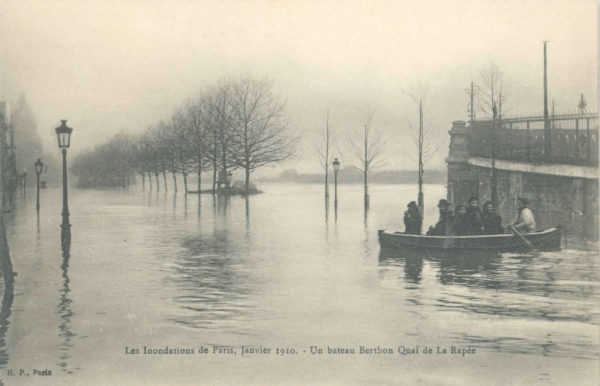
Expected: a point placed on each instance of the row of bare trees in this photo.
(236, 124)
(366, 146)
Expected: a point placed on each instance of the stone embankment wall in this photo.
(565, 195)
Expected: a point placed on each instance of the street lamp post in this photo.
(336, 169)
(63, 134)
(39, 168)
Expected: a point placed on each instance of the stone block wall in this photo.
(555, 200)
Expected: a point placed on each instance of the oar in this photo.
(522, 238)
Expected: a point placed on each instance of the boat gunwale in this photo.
(503, 235)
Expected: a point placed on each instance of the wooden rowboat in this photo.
(546, 240)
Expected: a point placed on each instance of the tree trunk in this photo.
(366, 188)
(185, 187)
(174, 182)
(326, 182)
(150, 182)
(247, 180)
(164, 173)
(214, 182)
(215, 166)
(224, 162)
(157, 182)
(199, 174)
(143, 182)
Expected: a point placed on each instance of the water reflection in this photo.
(185, 205)
(247, 207)
(7, 298)
(223, 203)
(335, 212)
(212, 290)
(64, 306)
(412, 265)
(507, 285)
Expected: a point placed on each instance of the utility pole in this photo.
(552, 123)
(547, 130)
(494, 176)
(471, 103)
(420, 197)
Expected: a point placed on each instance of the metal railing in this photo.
(573, 139)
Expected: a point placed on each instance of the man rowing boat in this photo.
(526, 220)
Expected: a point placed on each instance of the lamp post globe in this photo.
(63, 135)
(336, 165)
(39, 166)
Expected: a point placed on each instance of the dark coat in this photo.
(443, 226)
(461, 226)
(474, 221)
(412, 221)
(492, 224)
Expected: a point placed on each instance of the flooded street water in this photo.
(156, 269)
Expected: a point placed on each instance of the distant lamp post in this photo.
(336, 169)
(39, 168)
(63, 134)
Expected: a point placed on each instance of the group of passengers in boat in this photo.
(468, 219)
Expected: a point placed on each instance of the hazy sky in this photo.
(111, 65)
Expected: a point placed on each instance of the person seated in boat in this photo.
(412, 219)
(474, 217)
(460, 226)
(492, 222)
(444, 224)
(526, 220)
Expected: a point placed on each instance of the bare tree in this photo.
(260, 134)
(323, 150)
(425, 142)
(368, 152)
(220, 118)
(196, 138)
(494, 97)
(491, 91)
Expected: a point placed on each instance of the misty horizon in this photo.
(109, 67)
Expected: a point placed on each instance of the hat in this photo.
(473, 198)
(443, 203)
(412, 204)
(524, 200)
